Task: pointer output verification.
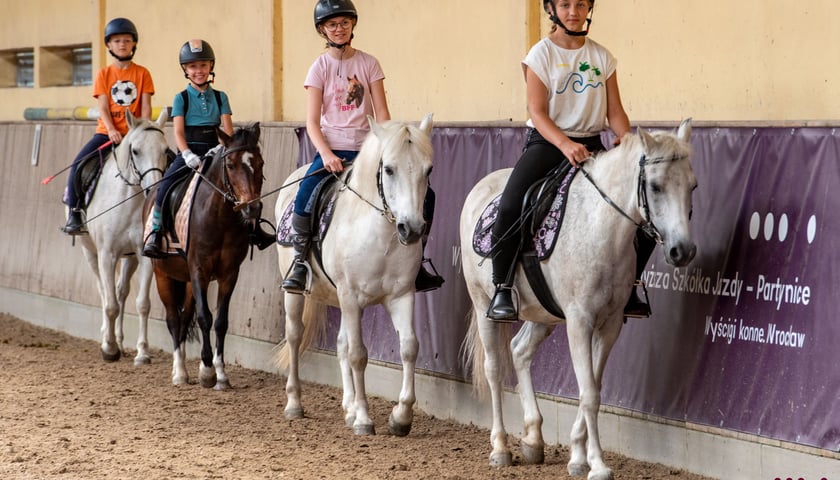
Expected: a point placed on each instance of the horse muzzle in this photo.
(409, 233)
(681, 253)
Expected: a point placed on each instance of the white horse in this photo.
(116, 231)
(371, 255)
(590, 273)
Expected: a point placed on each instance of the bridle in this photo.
(133, 165)
(227, 188)
(646, 225)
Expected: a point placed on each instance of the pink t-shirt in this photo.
(346, 102)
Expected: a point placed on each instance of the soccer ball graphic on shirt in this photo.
(124, 93)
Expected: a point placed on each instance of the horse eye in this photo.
(389, 171)
(655, 188)
(135, 152)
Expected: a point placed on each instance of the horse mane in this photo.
(665, 144)
(247, 136)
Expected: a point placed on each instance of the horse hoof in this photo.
(294, 413)
(222, 385)
(111, 357)
(602, 475)
(207, 382)
(397, 429)
(532, 455)
(178, 381)
(142, 360)
(501, 459)
(577, 469)
(364, 430)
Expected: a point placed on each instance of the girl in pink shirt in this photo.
(344, 85)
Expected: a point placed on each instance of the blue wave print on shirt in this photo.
(579, 85)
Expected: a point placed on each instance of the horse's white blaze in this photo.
(117, 233)
(372, 261)
(590, 274)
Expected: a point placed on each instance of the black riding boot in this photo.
(295, 281)
(426, 280)
(153, 248)
(502, 308)
(259, 237)
(75, 225)
(636, 307)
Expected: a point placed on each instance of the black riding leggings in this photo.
(538, 158)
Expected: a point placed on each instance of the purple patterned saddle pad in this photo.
(545, 237)
(284, 227)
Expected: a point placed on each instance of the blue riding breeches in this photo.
(71, 199)
(312, 182)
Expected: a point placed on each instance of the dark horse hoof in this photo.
(396, 429)
(111, 357)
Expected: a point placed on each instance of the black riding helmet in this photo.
(326, 9)
(548, 6)
(118, 26)
(197, 50)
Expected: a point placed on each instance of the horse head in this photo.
(666, 183)
(141, 155)
(242, 169)
(405, 163)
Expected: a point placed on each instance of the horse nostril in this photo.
(403, 230)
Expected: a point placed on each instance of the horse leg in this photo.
(143, 305)
(348, 390)
(220, 326)
(490, 334)
(128, 265)
(294, 304)
(351, 321)
(586, 453)
(602, 342)
(523, 348)
(206, 372)
(173, 294)
(107, 264)
(402, 315)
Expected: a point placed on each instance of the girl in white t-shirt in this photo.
(343, 86)
(572, 94)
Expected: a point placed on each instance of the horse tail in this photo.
(314, 329)
(474, 356)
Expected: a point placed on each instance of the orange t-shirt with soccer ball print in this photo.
(124, 88)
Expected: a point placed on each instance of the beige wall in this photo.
(716, 60)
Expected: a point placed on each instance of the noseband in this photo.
(140, 175)
(228, 194)
(646, 225)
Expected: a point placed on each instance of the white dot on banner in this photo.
(783, 227)
(755, 223)
(812, 228)
(769, 223)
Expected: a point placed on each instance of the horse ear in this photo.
(256, 131)
(426, 124)
(374, 127)
(163, 117)
(684, 131)
(129, 118)
(223, 137)
(646, 138)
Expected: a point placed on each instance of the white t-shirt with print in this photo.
(346, 97)
(577, 84)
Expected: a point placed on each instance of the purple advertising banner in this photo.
(744, 338)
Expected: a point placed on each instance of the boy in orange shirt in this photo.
(117, 87)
